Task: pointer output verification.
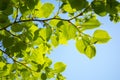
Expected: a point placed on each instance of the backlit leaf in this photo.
(91, 23)
(80, 45)
(2, 64)
(55, 40)
(90, 51)
(45, 10)
(59, 67)
(101, 36)
(45, 33)
(37, 56)
(68, 8)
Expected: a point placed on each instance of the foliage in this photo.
(30, 29)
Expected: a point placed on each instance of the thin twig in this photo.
(78, 29)
(76, 16)
(9, 32)
(80, 14)
(16, 15)
(16, 60)
(58, 9)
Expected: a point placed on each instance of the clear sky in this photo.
(104, 66)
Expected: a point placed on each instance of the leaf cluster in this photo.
(31, 29)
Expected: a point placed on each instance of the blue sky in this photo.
(104, 66)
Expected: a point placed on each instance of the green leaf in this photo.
(90, 51)
(8, 42)
(59, 67)
(91, 23)
(55, 41)
(48, 62)
(79, 4)
(24, 9)
(37, 56)
(1, 53)
(25, 73)
(80, 45)
(68, 30)
(113, 6)
(3, 20)
(62, 38)
(17, 28)
(101, 36)
(43, 76)
(48, 33)
(31, 3)
(60, 77)
(19, 46)
(68, 8)
(99, 7)
(45, 33)
(8, 10)
(4, 4)
(2, 64)
(46, 9)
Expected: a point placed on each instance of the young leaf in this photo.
(68, 8)
(91, 23)
(68, 30)
(80, 45)
(45, 33)
(2, 64)
(46, 10)
(55, 41)
(90, 51)
(101, 36)
(59, 67)
(37, 56)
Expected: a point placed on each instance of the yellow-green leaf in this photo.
(91, 23)
(45, 33)
(2, 64)
(80, 45)
(54, 41)
(101, 36)
(59, 67)
(68, 8)
(46, 10)
(90, 51)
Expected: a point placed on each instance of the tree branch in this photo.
(16, 60)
